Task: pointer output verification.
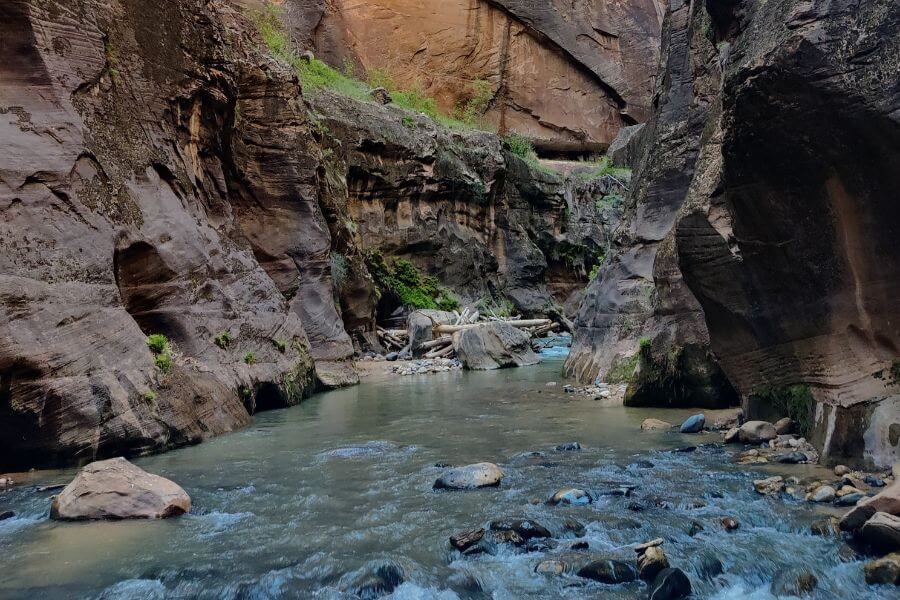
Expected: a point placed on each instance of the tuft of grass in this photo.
(280, 345)
(223, 340)
(163, 362)
(250, 358)
(149, 395)
(158, 343)
(520, 145)
(605, 168)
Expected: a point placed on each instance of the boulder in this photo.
(791, 458)
(729, 523)
(823, 493)
(881, 532)
(470, 477)
(651, 562)
(694, 424)
(493, 346)
(709, 567)
(884, 571)
(6, 514)
(550, 567)
(332, 374)
(886, 501)
(841, 470)
(785, 426)
(464, 540)
(670, 584)
(732, 436)
(608, 571)
(757, 432)
(769, 485)
(796, 581)
(377, 580)
(524, 528)
(570, 495)
(653, 424)
(420, 327)
(117, 489)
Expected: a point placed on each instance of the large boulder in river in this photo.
(493, 346)
(670, 584)
(694, 424)
(609, 571)
(881, 532)
(420, 327)
(884, 571)
(757, 432)
(117, 489)
(470, 477)
(886, 501)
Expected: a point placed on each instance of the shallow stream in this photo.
(305, 500)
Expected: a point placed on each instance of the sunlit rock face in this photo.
(764, 218)
(569, 74)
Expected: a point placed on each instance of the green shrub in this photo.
(223, 340)
(474, 108)
(280, 345)
(402, 278)
(158, 343)
(250, 358)
(605, 168)
(519, 145)
(149, 396)
(794, 401)
(163, 362)
(622, 368)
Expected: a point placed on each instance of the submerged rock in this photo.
(570, 496)
(569, 447)
(377, 580)
(650, 562)
(694, 424)
(769, 486)
(797, 581)
(652, 424)
(7, 514)
(470, 477)
(884, 571)
(729, 524)
(609, 571)
(117, 489)
(464, 540)
(527, 529)
(670, 584)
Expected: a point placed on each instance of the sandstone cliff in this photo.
(764, 221)
(568, 74)
(162, 174)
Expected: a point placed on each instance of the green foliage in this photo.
(519, 145)
(280, 345)
(595, 270)
(223, 340)
(245, 393)
(645, 344)
(158, 343)
(163, 362)
(498, 307)
(622, 368)
(340, 267)
(250, 358)
(472, 111)
(794, 401)
(149, 396)
(413, 288)
(605, 168)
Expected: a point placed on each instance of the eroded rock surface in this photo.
(493, 346)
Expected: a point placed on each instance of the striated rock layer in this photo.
(764, 226)
(161, 174)
(569, 74)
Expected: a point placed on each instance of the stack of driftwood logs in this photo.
(442, 344)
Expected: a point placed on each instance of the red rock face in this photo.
(568, 74)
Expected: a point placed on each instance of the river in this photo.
(305, 500)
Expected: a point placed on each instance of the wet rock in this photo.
(608, 571)
(580, 546)
(470, 477)
(550, 567)
(823, 493)
(686, 449)
(652, 424)
(796, 581)
(573, 526)
(887, 501)
(785, 426)
(881, 532)
(541, 545)
(769, 485)
(670, 584)
(732, 436)
(569, 447)
(527, 529)
(709, 567)
(650, 562)
(849, 499)
(507, 537)
(378, 581)
(466, 585)
(825, 527)
(694, 424)
(694, 528)
(640, 548)
(884, 571)
(620, 524)
(641, 464)
(464, 540)
(573, 496)
(729, 523)
(757, 432)
(7, 514)
(791, 458)
(841, 470)
(117, 489)
(391, 356)
(494, 345)
(874, 481)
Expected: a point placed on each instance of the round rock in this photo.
(470, 477)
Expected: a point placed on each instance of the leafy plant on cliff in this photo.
(250, 358)
(519, 145)
(403, 279)
(622, 368)
(223, 340)
(158, 343)
(794, 401)
(472, 110)
(605, 168)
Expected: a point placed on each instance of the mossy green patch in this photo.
(403, 279)
(794, 401)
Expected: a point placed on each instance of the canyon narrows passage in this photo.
(472, 298)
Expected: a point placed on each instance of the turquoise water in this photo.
(305, 501)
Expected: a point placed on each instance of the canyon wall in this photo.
(762, 235)
(567, 74)
(162, 174)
